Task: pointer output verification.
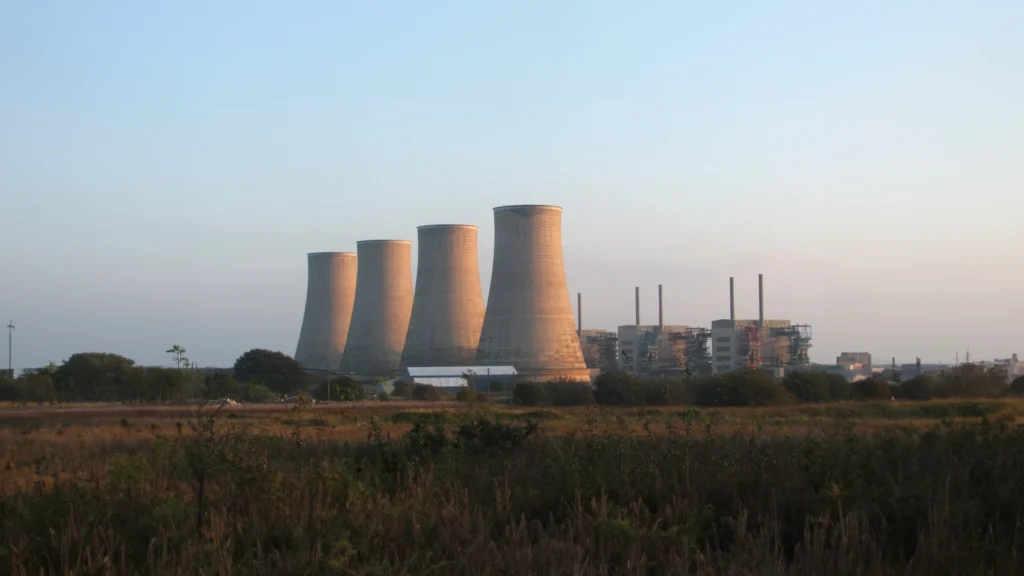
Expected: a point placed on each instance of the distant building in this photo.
(851, 358)
(737, 344)
(651, 351)
(1013, 366)
(600, 349)
(483, 378)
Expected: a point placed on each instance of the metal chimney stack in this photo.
(448, 308)
(330, 293)
(528, 323)
(732, 299)
(661, 319)
(579, 313)
(760, 300)
(637, 305)
(383, 304)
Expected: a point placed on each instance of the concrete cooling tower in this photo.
(448, 310)
(330, 292)
(380, 316)
(529, 321)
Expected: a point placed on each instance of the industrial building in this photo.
(528, 321)
(768, 344)
(382, 307)
(482, 378)
(600, 349)
(330, 294)
(448, 307)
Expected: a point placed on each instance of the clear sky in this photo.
(166, 165)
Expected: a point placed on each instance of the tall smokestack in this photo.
(383, 304)
(732, 299)
(330, 293)
(528, 323)
(579, 313)
(760, 300)
(661, 319)
(637, 305)
(448, 308)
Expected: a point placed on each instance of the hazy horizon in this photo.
(166, 166)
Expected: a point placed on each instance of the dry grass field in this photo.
(446, 488)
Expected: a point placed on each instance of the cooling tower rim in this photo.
(534, 206)
(383, 242)
(448, 226)
(342, 254)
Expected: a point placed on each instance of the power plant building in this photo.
(528, 321)
(382, 308)
(330, 294)
(448, 308)
(600, 349)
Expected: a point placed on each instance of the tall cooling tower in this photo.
(448, 309)
(529, 321)
(380, 316)
(330, 291)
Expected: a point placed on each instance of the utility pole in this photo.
(10, 347)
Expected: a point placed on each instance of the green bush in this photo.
(872, 389)
(622, 389)
(342, 389)
(469, 395)
(741, 388)
(528, 394)
(403, 389)
(260, 394)
(425, 393)
(1017, 386)
(562, 393)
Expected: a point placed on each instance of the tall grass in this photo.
(479, 496)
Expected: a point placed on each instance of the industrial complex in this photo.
(364, 319)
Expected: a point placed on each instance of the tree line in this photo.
(257, 376)
(754, 387)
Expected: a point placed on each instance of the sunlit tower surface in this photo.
(448, 308)
(330, 295)
(528, 323)
(383, 304)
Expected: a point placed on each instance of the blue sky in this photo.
(165, 166)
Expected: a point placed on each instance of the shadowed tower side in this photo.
(448, 309)
(529, 323)
(330, 293)
(383, 303)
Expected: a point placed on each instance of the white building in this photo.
(737, 344)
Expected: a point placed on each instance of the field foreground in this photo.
(389, 488)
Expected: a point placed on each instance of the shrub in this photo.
(342, 389)
(425, 393)
(469, 395)
(750, 387)
(622, 389)
(872, 389)
(920, 387)
(528, 394)
(403, 389)
(260, 394)
(563, 393)
(1017, 386)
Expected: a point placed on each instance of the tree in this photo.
(220, 385)
(1017, 386)
(403, 389)
(816, 386)
(872, 389)
(425, 392)
(278, 371)
(99, 377)
(259, 393)
(343, 389)
(179, 356)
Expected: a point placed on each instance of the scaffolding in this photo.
(698, 352)
(752, 345)
(796, 352)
